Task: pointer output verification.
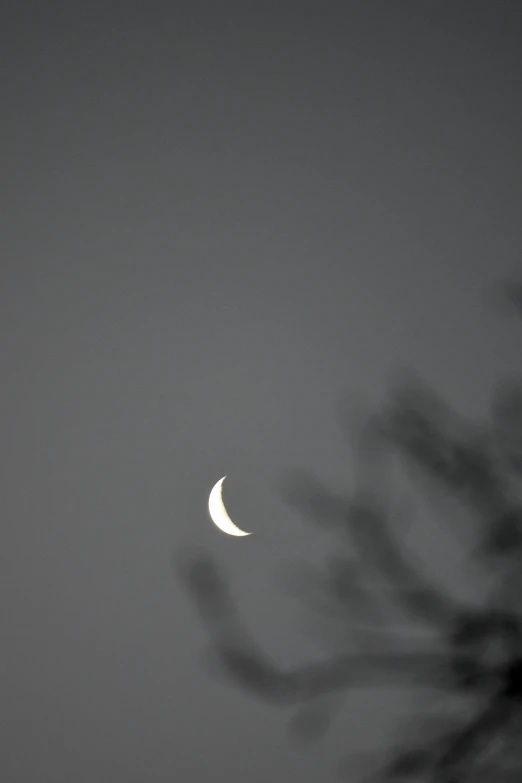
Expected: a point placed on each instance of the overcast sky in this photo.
(217, 221)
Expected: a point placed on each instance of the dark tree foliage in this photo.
(476, 653)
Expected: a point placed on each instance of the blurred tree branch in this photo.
(479, 650)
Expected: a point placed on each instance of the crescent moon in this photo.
(218, 512)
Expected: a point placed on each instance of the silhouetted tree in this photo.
(475, 651)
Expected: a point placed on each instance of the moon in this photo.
(218, 512)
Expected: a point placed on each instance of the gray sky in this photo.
(217, 220)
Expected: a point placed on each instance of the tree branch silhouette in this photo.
(373, 577)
